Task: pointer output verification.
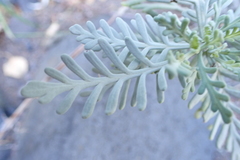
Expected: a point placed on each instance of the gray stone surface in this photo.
(165, 131)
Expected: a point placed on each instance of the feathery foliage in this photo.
(201, 47)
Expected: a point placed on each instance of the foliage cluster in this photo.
(200, 48)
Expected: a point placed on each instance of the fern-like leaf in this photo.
(47, 91)
(206, 53)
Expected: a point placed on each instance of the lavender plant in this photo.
(200, 48)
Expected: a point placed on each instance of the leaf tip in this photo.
(75, 29)
(59, 112)
(109, 112)
(84, 116)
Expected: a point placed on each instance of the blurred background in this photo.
(28, 29)
(33, 35)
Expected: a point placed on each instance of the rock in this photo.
(15, 67)
(162, 132)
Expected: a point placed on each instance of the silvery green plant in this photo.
(200, 48)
